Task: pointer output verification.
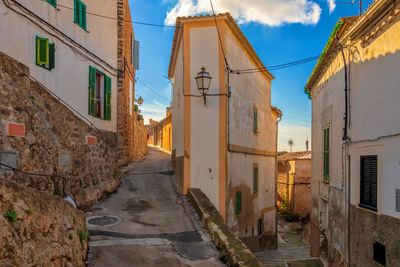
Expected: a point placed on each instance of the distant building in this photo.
(228, 146)
(160, 133)
(293, 184)
(355, 185)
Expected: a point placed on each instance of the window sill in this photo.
(368, 208)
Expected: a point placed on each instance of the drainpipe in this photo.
(276, 181)
(346, 140)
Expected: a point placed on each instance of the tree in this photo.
(291, 143)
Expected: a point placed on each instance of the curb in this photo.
(234, 251)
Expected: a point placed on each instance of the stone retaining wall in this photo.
(233, 250)
(54, 141)
(39, 229)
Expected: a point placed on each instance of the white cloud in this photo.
(298, 133)
(332, 5)
(267, 12)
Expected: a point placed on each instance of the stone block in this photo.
(9, 158)
(64, 160)
(91, 140)
(15, 129)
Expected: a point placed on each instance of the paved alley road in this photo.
(147, 224)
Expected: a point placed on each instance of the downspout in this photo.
(276, 181)
(346, 140)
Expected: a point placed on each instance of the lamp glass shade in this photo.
(203, 81)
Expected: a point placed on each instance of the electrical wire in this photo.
(219, 36)
(112, 18)
(65, 39)
(64, 180)
(285, 65)
(151, 90)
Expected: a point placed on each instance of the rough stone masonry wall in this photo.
(39, 229)
(132, 135)
(369, 227)
(55, 140)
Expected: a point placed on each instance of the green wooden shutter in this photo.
(42, 51)
(83, 16)
(52, 2)
(76, 11)
(255, 180)
(52, 54)
(107, 98)
(326, 159)
(92, 91)
(255, 120)
(238, 206)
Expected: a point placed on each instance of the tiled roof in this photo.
(303, 155)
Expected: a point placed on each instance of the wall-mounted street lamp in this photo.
(203, 80)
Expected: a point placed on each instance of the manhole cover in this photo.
(104, 220)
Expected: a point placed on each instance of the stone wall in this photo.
(55, 141)
(39, 229)
(369, 227)
(130, 126)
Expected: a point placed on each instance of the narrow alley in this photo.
(146, 223)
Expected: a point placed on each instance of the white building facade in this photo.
(226, 147)
(68, 50)
(356, 139)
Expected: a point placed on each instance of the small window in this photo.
(238, 206)
(80, 14)
(380, 253)
(326, 169)
(45, 53)
(369, 182)
(255, 179)
(255, 120)
(99, 94)
(260, 227)
(52, 2)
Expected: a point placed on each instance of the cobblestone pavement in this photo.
(292, 251)
(146, 223)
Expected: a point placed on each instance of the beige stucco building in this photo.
(355, 218)
(293, 182)
(228, 147)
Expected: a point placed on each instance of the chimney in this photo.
(307, 143)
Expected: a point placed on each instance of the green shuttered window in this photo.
(255, 179)
(80, 14)
(255, 120)
(326, 168)
(45, 53)
(238, 206)
(52, 2)
(100, 88)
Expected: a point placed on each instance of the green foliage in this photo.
(95, 181)
(83, 235)
(29, 211)
(136, 108)
(11, 215)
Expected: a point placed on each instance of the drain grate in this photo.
(104, 220)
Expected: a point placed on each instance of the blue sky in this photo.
(281, 31)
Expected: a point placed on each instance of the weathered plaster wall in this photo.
(20, 44)
(55, 140)
(248, 92)
(47, 231)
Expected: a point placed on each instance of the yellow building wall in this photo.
(167, 134)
